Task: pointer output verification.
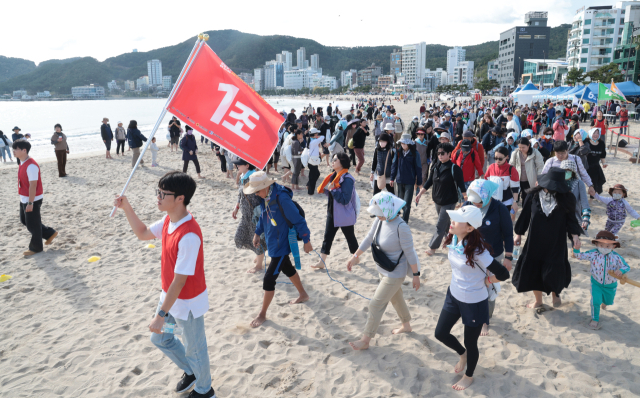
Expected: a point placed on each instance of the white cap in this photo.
(119, 122)
(468, 214)
(314, 131)
(415, 117)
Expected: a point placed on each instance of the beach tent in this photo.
(526, 93)
(568, 95)
(515, 91)
(629, 89)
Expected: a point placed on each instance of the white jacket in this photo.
(533, 165)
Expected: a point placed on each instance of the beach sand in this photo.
(79, 329)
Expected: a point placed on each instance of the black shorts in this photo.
(325, 150)
(473, 314)
(174, 140)
(276, 265)
(108, 144)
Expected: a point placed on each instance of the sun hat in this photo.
(257, 181)
(389, 126)
(16, 128)
(618, 186)
(606, 237)
(446, 135)
(554, 180)
(405, 138)
(441, 127)
(314, 131)
(379, 117)
(469, 214)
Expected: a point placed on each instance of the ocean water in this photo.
(81, 120)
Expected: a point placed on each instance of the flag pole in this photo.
(202, 37)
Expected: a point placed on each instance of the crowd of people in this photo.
(496, 170)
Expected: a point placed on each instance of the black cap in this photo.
(240, 162)
(465, 145)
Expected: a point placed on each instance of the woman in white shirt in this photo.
(467, 296)
(392, 236)
(315, 146)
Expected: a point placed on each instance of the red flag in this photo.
(219, 105)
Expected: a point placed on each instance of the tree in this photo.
(605, 73)
(486, 84)
(575, 76)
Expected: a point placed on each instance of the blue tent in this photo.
(629, 89)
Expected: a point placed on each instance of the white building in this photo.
(154, 71)
(166, 82)
(258, 79)
(112, 85)
(315, 62)
(301, 54)
(90, 91)
(287, 60)
(413, 60)
(142, 83)
(129, 85)
(463, 74)
(594, 34)
(19, 93)
(329, 82)
(439, 74)
(297, 79)
(454, 57)
(44, 94)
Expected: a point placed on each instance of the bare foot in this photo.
(603, 306)
(359, 345)
(259, 320)
(318, 265)
(430, 252)
(463, 384)
(557, 302)
(402, 329)
(256, 269)
(300, 299)
(485, 330)
(462, 363)
(594, 325)
(534, 304)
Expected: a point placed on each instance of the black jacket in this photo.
(135, 138)
(444, 185)
(359, 138)
(105, 132)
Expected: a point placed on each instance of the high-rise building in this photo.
(112, 85)
(626, 55)
(297, 79)
(492, 69)
(315, 62)
(287, 60)
(247, 78)
(520, 42)
(455, 55)
(279, 58)
(595, 32)
(166, 82)
(301, 54)
(545, 73)
(413, 60)
(369, 76)
(154, 71)
(269, 76)
(396, 62)
(345, 78)
(142, 83)
(463, 74)
(258, 79)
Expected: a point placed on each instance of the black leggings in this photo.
(471, 335)
(314, 173)
(186, 166)
(118, 144)
(330, 233)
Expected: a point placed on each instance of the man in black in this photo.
(291, 118)
(329, 110)
(107, 135)
(174, 133)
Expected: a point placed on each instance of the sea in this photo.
(81, 120)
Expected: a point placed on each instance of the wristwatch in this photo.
(162, 313)
(416, 273)
(29, 203)
(510, 258)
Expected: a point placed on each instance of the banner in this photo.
(605, 94)
(616, 90)
(220, 106)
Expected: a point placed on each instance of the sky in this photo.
(43, 30)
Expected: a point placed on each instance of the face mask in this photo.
(568, 175)
(189, 132)
(617, 196)
(604, 251)
(547, 136)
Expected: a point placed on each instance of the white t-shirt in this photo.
(314, 146)
(467, 284)
(32, 173)
(188, 249)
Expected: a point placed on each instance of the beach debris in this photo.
(150, 246)
(4, 278)
(93, 259)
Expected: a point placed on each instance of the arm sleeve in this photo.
(573, 227)
(366, 243)
(259, 226)
(506, 227)
(343, 194)
(539, 161)
(547, 166)
(406, 243)
(459, 177)
(394, 167)
(188, 249)
(374, 162)
(499, 270)
(32, 172)
(623, 266)
(603, 199)
(477, 164)
(429, 182)
(514, 181)
(522, 224)
(630, 210)
(156, 228)
(583, 173)
(588, 255)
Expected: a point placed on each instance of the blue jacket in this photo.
(135, 138)
(188, 143)
(407, 169)
(277, 236)
(551, 113)
(497, 228)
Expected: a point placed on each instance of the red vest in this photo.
(23, 178)
(600, 124)
(195, 284)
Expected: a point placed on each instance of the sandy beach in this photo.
(79, 329)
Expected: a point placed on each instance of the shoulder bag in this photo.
(379, 257)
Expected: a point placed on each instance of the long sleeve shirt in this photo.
(605, 200)
(395, 239)
(601, 265)
(554, 162)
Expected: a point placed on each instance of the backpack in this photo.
(460, 196)
(300, 210)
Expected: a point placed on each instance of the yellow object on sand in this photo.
(93, 259)
(4, 278)
(150, 246)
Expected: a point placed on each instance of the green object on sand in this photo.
(635, 223)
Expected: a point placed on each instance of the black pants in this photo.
(33, 222)
(186, 166)
(314, 174)
(446, 321)
(120, 143)
(405, 192)
(524, 185)
(330, 233)
(276, 265)
(352, 156)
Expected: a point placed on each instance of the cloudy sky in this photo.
(41, 30)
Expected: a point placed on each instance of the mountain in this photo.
(12, 67)
(242, 52)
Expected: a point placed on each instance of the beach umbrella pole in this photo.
(185, 69)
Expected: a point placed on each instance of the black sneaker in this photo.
(186, 383)
(209, 394)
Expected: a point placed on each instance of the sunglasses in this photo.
(499, 159)
(441, 153)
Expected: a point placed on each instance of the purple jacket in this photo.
(344, 206)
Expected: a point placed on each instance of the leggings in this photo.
(330, 234)
(471, 334)
(119, 143)
(186, 166)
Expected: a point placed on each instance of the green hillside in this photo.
(242, 52)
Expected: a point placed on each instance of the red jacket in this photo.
(470, 165)
(477, 146)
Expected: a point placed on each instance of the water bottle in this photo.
(516, 252)
(171, 328)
